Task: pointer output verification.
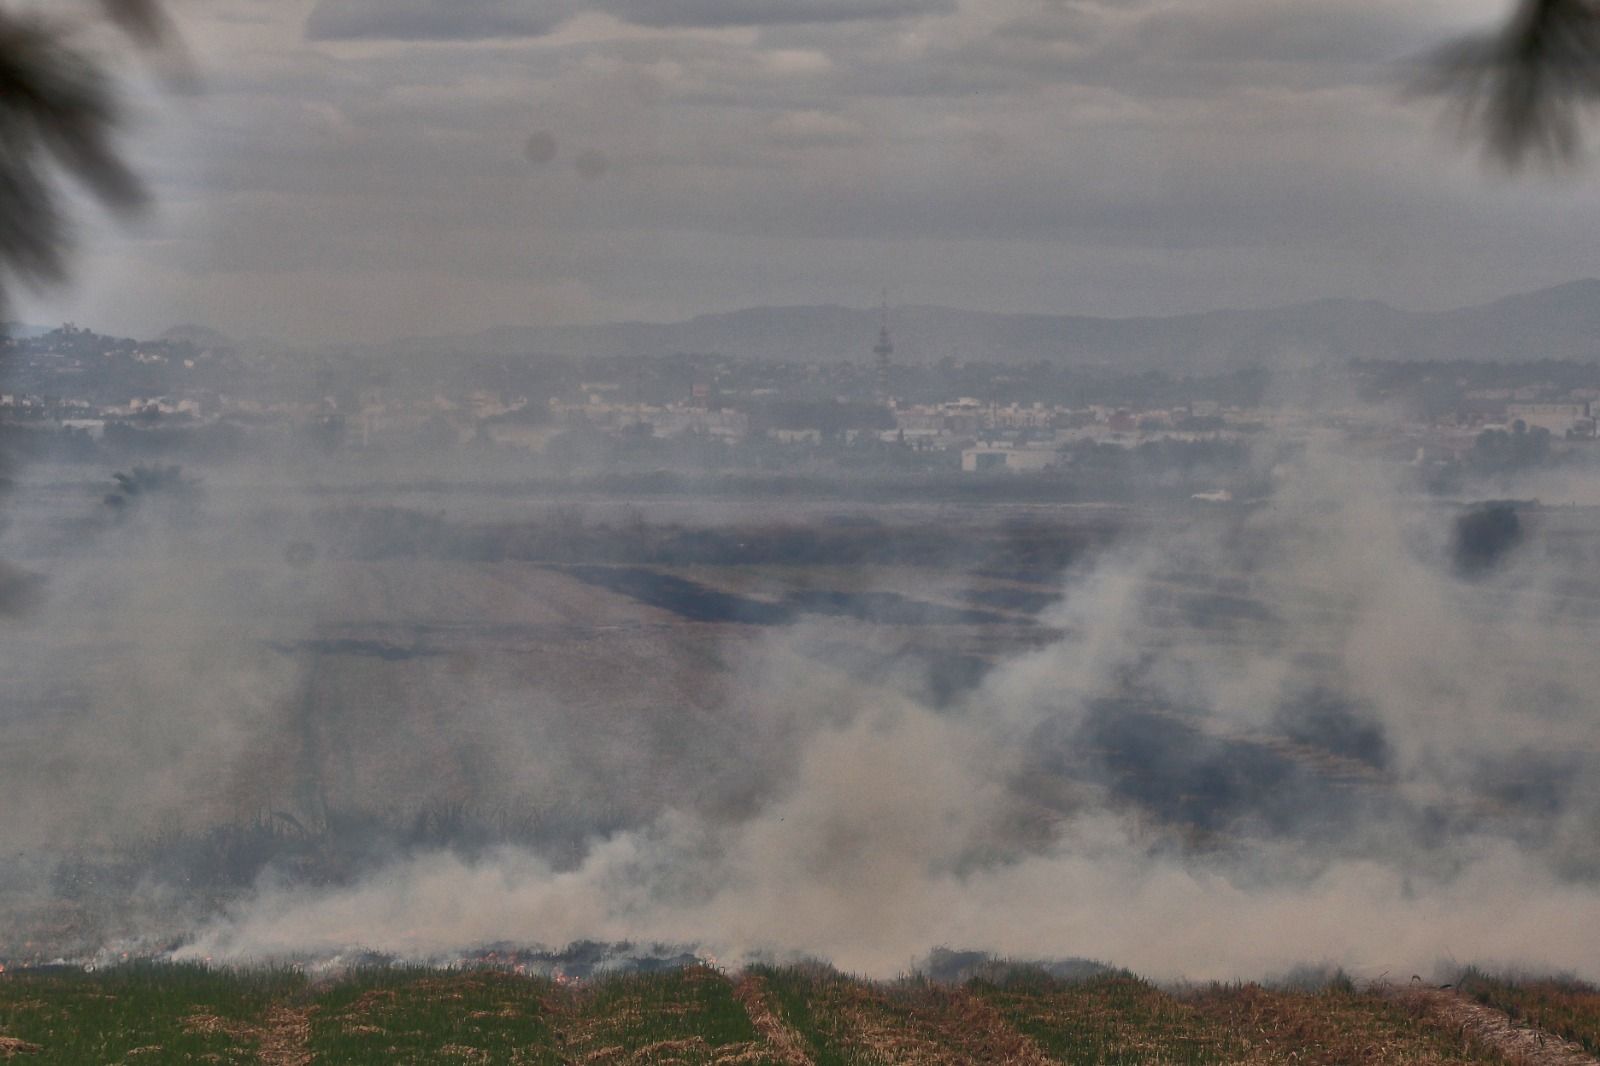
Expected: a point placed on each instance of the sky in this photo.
(357, 170)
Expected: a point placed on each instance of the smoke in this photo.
(143, 684)
(1241, 739)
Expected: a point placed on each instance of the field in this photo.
(231, 735)
(1569, 1009)
(782, 1016)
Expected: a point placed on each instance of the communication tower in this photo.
(883, 350)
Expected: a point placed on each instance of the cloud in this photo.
(1170, 49)
(469, 20)
(704, 13)
(1114, 157)
(811, 129)
(428, 20)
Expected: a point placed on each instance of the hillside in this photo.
(1556, 323)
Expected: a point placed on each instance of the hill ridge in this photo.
(1557, 322)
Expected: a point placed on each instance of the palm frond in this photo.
(58, 117)
(1522, 90)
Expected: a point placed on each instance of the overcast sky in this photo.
(363, 169)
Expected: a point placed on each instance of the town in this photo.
(196, 397)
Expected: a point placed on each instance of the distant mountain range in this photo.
(1556, 323)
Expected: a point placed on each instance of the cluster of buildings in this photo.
(1569, 418)
(601, 408)
(985, 435)
(78, 382)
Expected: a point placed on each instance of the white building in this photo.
(1558, 418)
(1016, 460)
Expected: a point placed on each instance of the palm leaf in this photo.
(1523, 89)
(58, 117)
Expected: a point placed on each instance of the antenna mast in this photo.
(883, 350)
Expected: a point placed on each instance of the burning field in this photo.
(1208, 742)
(779, 1017)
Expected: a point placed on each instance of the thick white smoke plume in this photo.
(1299, 731)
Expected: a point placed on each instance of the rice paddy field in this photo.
(805, 1016)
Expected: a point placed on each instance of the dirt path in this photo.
(983, 1033)
(285, 1038)
(786, 1045)
(1521, 1044)
(938, 1027)
(10, 1047)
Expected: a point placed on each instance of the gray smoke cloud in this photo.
(1246, 739)
(144, 683)
(1241, 739)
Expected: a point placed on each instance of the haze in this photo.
(777, 480)
(358, 171)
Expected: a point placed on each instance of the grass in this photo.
(1565, 1006)
(142, 1013)
(1113, 1019)
(688, 1016)
(423, 1016)
(819, 1006)
(697, 1016)
(1336, 1025)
